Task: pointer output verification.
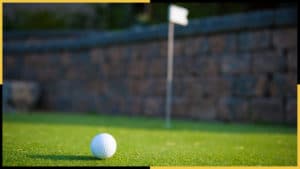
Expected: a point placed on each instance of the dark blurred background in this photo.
(102, 17)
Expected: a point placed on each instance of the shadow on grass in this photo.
(62, 157)
(143, 123)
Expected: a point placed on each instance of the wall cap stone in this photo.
(228, 23)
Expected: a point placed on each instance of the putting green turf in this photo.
(64, 140)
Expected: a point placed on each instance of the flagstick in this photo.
(169, 74)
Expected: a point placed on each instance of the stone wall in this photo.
(232, 68)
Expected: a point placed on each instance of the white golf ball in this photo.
(103, 146)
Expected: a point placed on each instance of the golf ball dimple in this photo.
(103, 146)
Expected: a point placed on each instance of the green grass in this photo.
(56, 140)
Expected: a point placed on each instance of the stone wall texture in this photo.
(241, 67)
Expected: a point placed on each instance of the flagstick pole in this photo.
(169, 74)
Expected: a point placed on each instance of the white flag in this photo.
(178, 15)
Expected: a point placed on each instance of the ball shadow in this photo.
(63, 157)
